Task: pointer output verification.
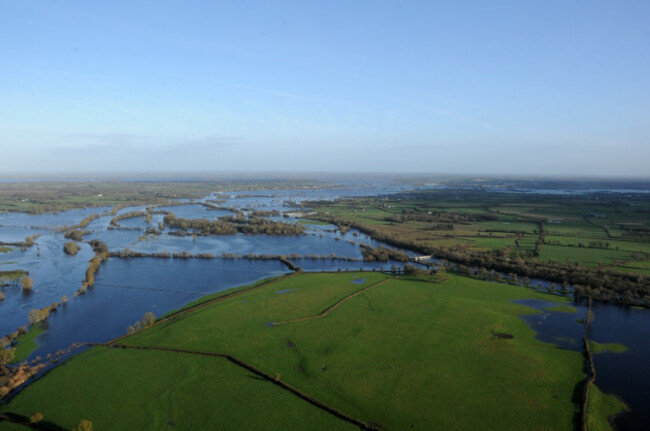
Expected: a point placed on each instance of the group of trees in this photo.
(76, 234)
(101, 253)
(230, 225)
(70, 248)
(147, 320)
(28, 242)
(86, 221)
(440, 217)
(92, 268)
(76, 231)
(6, 355)
(37, 315)
(11, 277)
(382, 254)
(434, 275)
(10, 338)
(131, 214)
(27, 283)
(128, 253)
(264, 213)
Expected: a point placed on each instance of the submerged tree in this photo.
(6, 355)
(70, 248)
(27, 283)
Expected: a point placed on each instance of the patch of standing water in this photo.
(279, 292)
(556, 327)
(624, 374)
(127, 288)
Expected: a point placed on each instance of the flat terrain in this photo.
(153, 390)
(587, 230)
(396, 353)
(40, 197)
(578, 239)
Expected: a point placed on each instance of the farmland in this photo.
(390, 352)
(546, 236)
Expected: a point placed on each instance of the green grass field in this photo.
(603, 406)
(641, 267)
(620, 224)
(152, 390)
(27, 343)
(588, 257)
(404, 354)
(8, 426)
(597, 347)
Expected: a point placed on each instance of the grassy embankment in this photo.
(404, 353)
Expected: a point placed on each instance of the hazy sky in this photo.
(512, 87)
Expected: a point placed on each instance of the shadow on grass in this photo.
(253, 376)
(576, 398)
(24, 420)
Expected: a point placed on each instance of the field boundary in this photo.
(253, 369)
(590, 371)
(332, 307)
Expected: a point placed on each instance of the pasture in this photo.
(395, 353)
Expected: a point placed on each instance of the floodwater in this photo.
(56, 274)
(625, 374)
(127, 288)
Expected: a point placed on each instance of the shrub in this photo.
(70, 248)
(83, 425)
(36, 315)
(76, 234)
(27, 283)
(148, 319)
(6, 355)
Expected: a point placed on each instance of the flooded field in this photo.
(126, 288)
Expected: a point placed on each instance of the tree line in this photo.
(382, 254)
(128, 253)
(231, 225)
(440, 217)
(605, 285)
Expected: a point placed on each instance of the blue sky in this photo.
(498, 87)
